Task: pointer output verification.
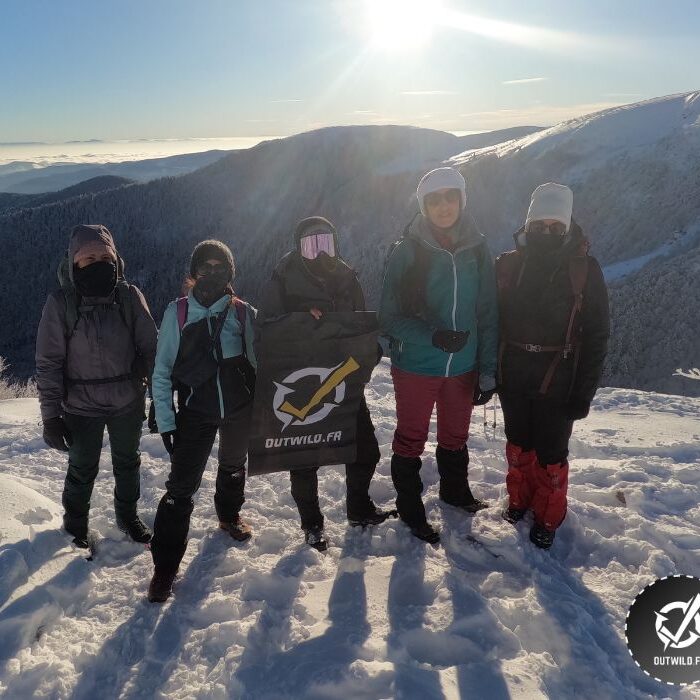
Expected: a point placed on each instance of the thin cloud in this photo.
(283, 102)
(364, 111)
(429, 92)
(523, 81)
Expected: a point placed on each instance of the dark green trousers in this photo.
(84, 463)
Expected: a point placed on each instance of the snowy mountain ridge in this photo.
(380, 615)
(637, 197)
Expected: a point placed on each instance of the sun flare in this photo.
(401, 25)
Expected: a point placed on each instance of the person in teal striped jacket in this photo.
(439, 309)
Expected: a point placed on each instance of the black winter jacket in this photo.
(535, 306)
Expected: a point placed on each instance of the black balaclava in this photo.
(95, 280)
(543, 244)
(211, 287)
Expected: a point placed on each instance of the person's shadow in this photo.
(323, 659)
(594, 643)
(152, 637)
(409, 598)
(475, 628)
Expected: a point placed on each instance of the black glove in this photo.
(576, 409)
(169, 438)
(482, 397)
(152, 426)
(450, 341)
(56, 435)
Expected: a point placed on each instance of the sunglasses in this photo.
(314, 244)
(205, 268)
(432, 199)
(539, 227)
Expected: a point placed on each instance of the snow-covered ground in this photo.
(380, 615)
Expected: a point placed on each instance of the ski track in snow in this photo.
(380, 614)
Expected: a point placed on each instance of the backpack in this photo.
(124, 301)
(414, 281)
(197, 362)
(412, 296)
(509, 271)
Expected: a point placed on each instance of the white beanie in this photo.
(441, 179)
(551, 201)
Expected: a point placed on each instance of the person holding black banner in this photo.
(440, 311)
(205, 354)
(314, 278)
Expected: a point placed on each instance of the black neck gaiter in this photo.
(95, 280)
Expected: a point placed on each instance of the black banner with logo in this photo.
(310, 381)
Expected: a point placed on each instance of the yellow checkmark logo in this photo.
(334, 378)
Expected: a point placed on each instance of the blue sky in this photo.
(127, 69)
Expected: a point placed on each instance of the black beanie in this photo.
(211, 250)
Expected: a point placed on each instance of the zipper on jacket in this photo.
(454, 307)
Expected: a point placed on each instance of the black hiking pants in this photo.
(194, 440)
(537, 424)
(358, 476)
(84, 464)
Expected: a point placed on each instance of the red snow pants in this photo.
(416, 397)
(540, 487)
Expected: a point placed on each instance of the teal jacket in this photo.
(459, 294)
(169, 344)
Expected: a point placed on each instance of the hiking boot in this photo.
(513, 515)
(473, 506)
(136, 529)
(237, 528)
(373, 517)
(541, 537)
(314, 538)
(426, 532)
(161, 586)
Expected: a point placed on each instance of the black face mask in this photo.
(211, 287)
(540, 243)
(322, 265)
(95, 280)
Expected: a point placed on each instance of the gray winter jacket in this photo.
(100, 347)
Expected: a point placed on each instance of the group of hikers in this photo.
(533, 327)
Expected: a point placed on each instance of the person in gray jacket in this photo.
(95, 352)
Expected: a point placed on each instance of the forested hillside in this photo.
(633, 194)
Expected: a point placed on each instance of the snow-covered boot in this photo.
(513, 515)
(161, 586)
(426, 532)
(313, 536)
(136, 529)
(238, 528)
(453, 467)
(541, 537)
(375, 516)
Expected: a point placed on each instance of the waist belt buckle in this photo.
(533, 348)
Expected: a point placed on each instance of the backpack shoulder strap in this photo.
(578, 273)
(181, 312)
(70, 296)
(124, 299)
(241, 315)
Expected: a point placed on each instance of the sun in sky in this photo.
(401, 25)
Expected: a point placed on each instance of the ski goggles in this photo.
(313, 244)
(432, 199)
(205, 268)
(539, 227)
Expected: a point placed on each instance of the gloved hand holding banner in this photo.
(311, 376)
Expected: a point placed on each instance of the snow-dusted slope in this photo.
(379, 615)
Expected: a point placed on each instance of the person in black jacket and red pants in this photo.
(554, 316)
